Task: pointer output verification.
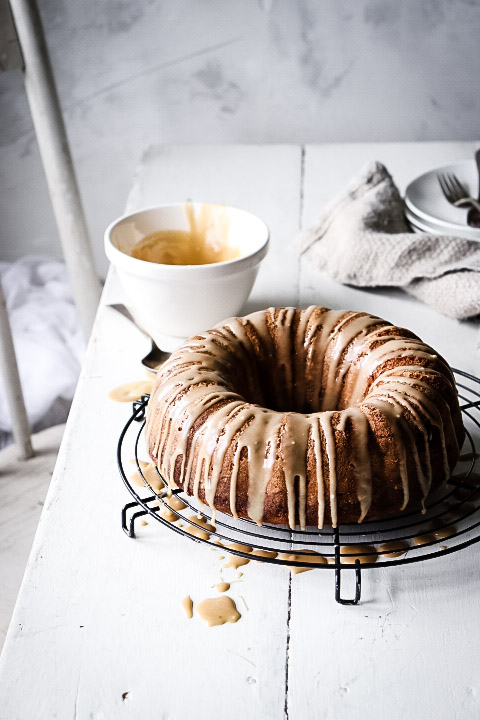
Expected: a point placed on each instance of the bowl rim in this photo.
(145, 268)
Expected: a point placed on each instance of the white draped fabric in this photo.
(47, 337)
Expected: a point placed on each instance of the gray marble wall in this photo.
(131, 73)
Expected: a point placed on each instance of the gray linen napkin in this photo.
(363, 239)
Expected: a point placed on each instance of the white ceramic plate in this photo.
(425, 199)
(421, 225)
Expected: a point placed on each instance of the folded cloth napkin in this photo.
(363, 239)
(48, 341)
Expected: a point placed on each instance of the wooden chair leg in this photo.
(57, 161)
(13, 388)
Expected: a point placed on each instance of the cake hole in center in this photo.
(277, 389)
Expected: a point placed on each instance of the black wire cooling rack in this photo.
(449, 522)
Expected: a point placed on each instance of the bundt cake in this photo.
(305, 417)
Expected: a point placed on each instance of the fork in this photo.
(455, 192)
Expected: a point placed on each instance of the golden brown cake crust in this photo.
(305, 417)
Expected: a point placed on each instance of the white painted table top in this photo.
(99, 614)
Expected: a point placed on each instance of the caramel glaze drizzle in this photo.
(333, 368)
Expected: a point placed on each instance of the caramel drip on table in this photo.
(203, 522)
(364, 553)
(310, 557)
(240, 547)
(202, 532)
(265, 553)
(333, 365)
(218, 610)
(175, 503)
(131, 391)
(187, 605)
(236, 561)
(424, 539)
(444, 532)
(149, 475)
(141, 463)
(168, 515)
(392, 549)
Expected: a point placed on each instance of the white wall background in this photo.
(135, 72)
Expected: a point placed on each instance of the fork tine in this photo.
(443, 185)
(460, 189)
(453, 194)
(450, 187)
(454, 191)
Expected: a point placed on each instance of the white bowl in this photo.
(173, 302)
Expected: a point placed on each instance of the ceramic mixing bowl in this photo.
(172, 302)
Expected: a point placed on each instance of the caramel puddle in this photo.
(392, 549)
(149, 472)
(131, 391)
(265, 553)
(313, 559)
(218, 611)
(235, 561)
(364, 553)
(175, 502)
(203, 534)
(423, 539)
(446, 532)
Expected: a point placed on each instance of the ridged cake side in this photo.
(308, 417)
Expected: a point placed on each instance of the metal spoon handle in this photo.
(123, 310)
(155, 357)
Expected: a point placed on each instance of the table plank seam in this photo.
(287, 648)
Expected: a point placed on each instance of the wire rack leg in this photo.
(338, 571)
(358, 586)
(129, 527)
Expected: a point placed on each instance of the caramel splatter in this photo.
(218, 611)
(235, 561)
(131, 391)
(363, 553)
(312, 559)
(187, 605)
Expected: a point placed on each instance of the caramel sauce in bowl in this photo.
(187, 266)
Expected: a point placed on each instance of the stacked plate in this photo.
(427, 210)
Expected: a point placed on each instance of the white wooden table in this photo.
(99, 615)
